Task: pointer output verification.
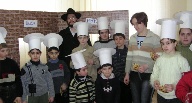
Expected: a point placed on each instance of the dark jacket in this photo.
(69, 43)
(119, 61)
(107, 90)
(10, 82)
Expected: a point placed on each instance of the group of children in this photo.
(103, 72)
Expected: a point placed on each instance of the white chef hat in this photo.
(186, 17)
(102, 23)
(78, 59)
(82, 28)
(168, 27)
(52, 40)
(3, 33)
(119, 26)
(105, 55)
(34, 40)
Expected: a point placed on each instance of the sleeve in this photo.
(19, 88)
(129, 59)
(117, 96)
(66, 74)
(157, 46)
(49, 81)
(72, 93)
(98, 89)
(24, 84)
(184, 65)
(155, 73)
(183, 87)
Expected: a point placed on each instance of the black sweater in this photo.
(9, 67)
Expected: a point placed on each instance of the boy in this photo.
(58, 68)
(81, 89)
(36, 79)
(107, 86)
(185, 35)
(10, 82)
(83, 36)
(119, 58)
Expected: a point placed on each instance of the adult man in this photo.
(69, 36)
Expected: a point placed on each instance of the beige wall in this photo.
(189, 5)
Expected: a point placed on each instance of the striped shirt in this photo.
(81, 90)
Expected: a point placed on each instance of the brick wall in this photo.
(13, 21)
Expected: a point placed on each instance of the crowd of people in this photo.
(107, 72)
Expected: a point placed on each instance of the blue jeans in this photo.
(141, 89)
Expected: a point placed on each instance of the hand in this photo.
(156, 56)
(169, 87)
(99, 71)
(143, 68)
(24, 102)
(156, 85)
(17, 100)
(90, 61)
(126, 79)
(51, 99)
(63, 87)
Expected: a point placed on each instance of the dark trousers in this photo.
(160, 99)
(141, 89)
(125, 96)
(38, 99)
(64, 98)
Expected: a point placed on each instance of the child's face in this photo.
(83, 71)
(138, 27)
(168, 46)
(119, 41)
(104, 34)
(35, 55)
(3, 53)
(185, 36)
(53, 54)
(83, 39)
(107, 71)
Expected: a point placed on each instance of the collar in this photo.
(180, 44)
(111, 77)
(105, 41)
(125, 48)
(149, 34)
(29, 63)
(83, 46)
(81, 78)
(53, 61)
(171, 55)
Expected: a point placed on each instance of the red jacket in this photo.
(184, 87)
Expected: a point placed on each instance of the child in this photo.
(184, 88)
(104, 41)
(36, 79)
(58, 68)
(141, 44)
(10, 82)
(83, 36)
(107, 86)
(119, 59)
(185, 35)
(81, 89)
(170, 65)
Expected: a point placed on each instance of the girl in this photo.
(170, 65)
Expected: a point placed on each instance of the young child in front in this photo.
(82, 88)
(169, 67)
(83, 36)
(10, 82)
(58, 68)
(36, 79)
(185, 35)
(107, 86)
(184, 88)
(119, 58)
